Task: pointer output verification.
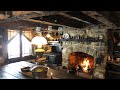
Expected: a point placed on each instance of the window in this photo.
(14, 47)
(19, 43)
(26, 47)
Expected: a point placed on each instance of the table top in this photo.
(13, 71)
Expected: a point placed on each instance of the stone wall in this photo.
(91, 48)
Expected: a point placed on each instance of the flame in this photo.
(48, 35)
(85, 64)
(51, 73)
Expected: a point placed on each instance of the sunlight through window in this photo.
(26, 47)
(14, 47)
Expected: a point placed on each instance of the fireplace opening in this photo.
(79, 62)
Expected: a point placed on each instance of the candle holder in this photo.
(51, 77)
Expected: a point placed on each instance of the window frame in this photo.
(11, 60)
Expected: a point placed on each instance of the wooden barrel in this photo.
(113, 71)
(114, 66)
(112, 74)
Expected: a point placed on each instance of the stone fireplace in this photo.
(77, 59)
(85, 50)
(79, 62)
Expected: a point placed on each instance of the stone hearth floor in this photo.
(13, 71)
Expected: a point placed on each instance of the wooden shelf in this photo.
(54, 30)
(84, 40)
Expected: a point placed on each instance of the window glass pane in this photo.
(12, 33)
(28, 34)
(14, 47)
(26, 47)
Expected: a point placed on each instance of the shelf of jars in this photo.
(84, 39)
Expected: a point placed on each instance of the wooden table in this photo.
(13, 71)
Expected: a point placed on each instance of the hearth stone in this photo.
(99, 71)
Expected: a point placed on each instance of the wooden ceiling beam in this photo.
(75, 18)
(43, 22)
(18, 13)
(99, 17)
(48, 12)
(27, 15)
(20, 17)
(15, 25)
(52, 24)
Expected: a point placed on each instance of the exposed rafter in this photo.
(99, 17)
(49, 12)
(20, 17)
(18, 24)
(17, 13)
(43, 22)
(62, 18)
(28, 15)
(69, 16)
(48, 23)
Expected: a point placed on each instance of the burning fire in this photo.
(85, 64)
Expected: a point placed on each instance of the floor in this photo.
(13, 71)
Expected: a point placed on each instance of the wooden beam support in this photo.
(19, 24)
(18, 13)
(43, 22)
(75, 18)
(99, 17)
(20, 17)
(48, 12)
(27, 15)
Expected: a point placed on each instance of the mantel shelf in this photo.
(84, 40)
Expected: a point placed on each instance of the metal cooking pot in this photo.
(39, 72)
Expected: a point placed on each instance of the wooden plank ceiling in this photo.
(78, 19)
